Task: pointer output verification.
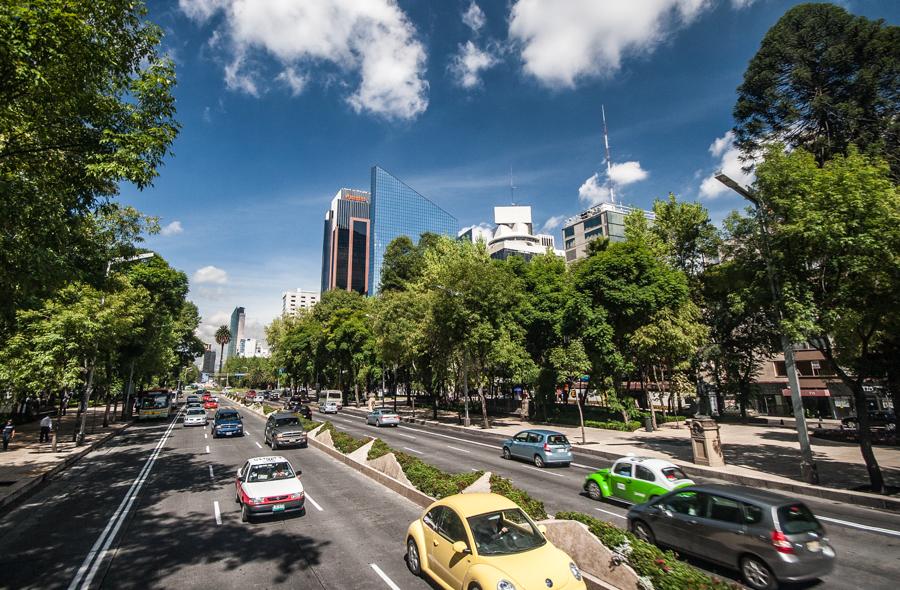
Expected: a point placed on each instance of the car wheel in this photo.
(237, 498)
(594, 491)
(245, 513)
(413, 561)
(757, 574)
(474, 586)
(642, 531)
(538, 462)
(506, 454)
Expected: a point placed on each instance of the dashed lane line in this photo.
(610, 513)
(855, 525)
(585, 466)
(414, 450)
(211, 476)
(207, 449)
(544, 471)
(218, 512)
(257, 444)
(390, 583)
(458, 449)
(313, 502)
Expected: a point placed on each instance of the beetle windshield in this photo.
(504, 532)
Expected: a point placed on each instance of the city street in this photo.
(183, 528)
(867, 541)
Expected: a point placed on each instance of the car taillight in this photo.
(781, 543)
(546, 447)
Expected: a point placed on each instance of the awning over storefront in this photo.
(807, 392)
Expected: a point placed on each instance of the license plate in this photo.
(814, 546)
(228, 433)
(277, 507)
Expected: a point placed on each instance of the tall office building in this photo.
(209, 360)
(345, 245)
(291, 301)
(512, 236)
(398, 210)
(605, 219)
(237, 331)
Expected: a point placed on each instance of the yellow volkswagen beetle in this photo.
(486, 542)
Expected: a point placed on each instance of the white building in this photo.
(513, 235)
(291, 301)
(251, 347)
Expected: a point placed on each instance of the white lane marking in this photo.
(610, 513)
(414, 451)
(471, 442)
(95, 557)
(585, 466)
(205, 435)
(458, 449)
(211, 476)
(314, 503)
(207, 449)
(544, 471)
(367, 424)
(390, 583)
(856, 525)
(218, 512)
(257, 444)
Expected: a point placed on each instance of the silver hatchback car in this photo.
(769, 538)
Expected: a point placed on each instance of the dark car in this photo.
(767, 537)
(886, 419)
(227, 422)
(284, 429)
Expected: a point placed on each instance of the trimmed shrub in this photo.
(662, 568)
(504, 487)
(378, 449)
(426, 478)
(343, 441)
(307, 424)
(629, 426)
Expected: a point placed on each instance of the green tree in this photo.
(823, 79)
(85, 104)
(223, 337)
(835, 235)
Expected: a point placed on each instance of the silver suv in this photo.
(767, 537)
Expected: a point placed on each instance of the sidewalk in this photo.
(28, 462)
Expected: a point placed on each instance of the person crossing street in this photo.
(9, 431)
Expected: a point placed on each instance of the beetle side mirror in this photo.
(542, 528)
(460, 547)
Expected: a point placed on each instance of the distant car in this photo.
(486, 541)
(886, 419)
(193, 405)
(206, 396)
(383, 417)
(227, 422)
(210, 404)
(250, 396)
(767, 537)
(636, 480)
(541, 447)
(284, 429)
(330, 408)
(268, 485)
(195, 417)
(274, 395)
(192, 399)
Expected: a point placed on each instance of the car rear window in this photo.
(797, 518)
(557, 439)
(673, 473)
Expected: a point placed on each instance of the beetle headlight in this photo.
(505, 585)
(575, 571)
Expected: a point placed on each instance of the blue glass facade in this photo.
(398, 210)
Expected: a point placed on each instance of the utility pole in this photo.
(808, 470)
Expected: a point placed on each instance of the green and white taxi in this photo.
(636, 480)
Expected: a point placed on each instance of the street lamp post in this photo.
(808, 469)
(86, 398)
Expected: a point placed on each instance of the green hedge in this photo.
(662, 568)
(426, 478)
(629, 426)
(379, 448)
(308, 424)
(504, 487)
(343, 441)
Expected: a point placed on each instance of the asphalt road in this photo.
(154, 511)
(867, 558)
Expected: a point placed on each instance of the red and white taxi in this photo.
(268, 485)
(211, 404)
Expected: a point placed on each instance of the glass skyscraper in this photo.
(345, 247)
(398, 210)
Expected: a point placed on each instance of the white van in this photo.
(331, 395)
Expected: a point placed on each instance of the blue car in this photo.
(227, 422)
(541, 447)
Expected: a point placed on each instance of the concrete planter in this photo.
(480, 485)
(592, 556)
(388, 465)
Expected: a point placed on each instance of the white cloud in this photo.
(372, 40)
(210, 275)
(171, 229)
(294, 80)
(626, 173)
(561, 42)
(739, 4)
(724, 150)
(551, 224)
(592, 192)
(473, 17)
(467, 65)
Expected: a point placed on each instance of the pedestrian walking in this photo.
(9, 431)
(46, 424)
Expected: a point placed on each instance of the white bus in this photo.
(331, 395)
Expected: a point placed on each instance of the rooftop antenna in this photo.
(512, 188)
(612, 194)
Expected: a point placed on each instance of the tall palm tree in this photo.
(223, 337)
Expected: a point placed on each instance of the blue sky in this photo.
(284, 102)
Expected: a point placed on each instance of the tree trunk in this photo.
(484, 413)
(578, 402)
(650, 398)
(58, 422)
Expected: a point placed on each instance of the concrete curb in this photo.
(846, 496)
(35, 482)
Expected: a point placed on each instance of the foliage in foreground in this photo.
(662, 568)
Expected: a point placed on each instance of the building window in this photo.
(569, 231)
(780, 370)
(593, 233)
(593, 222)
(569, 243)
